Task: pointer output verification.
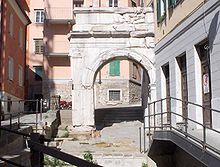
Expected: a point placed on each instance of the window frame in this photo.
(41, 16)
(11, 25)
(120, 95)
(115, 68)
(20, 75)
(38, 46)
(113, 3)
(20, 37)
(10, 68)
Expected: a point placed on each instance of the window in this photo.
(11, 25)
(77, 3)
(172, 3)
(20, 75)
(113, 3)
(135, 71)
(161, 10)
(38, 73)
(20, 38)
(10, 68)
(39, 16)
(114, 95)
(114, 68)
(39, 47)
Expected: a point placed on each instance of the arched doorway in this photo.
(83, 93)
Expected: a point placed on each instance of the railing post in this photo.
(161, 114)
(1, 113)
(144, 132)
(37, 157)
(170, 115)
(10, 121)
(19, 120)
(140, 138)
(204, 136)
(154, 116)
(149, 133)
(186, 119)
(41, 108)
(37, 115)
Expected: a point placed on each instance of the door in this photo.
(206, 83)
(184, 89)
(167, 82)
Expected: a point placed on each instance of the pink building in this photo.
(48, 62)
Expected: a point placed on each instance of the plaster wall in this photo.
(183, 40)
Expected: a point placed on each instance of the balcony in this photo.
(57, 48)
(57, 12)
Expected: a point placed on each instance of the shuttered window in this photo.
(114, 68)
(39, 47)
(161, 10)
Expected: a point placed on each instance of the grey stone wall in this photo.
(58, 88)
(101, 92)
(134, 92)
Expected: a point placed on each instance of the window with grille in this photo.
(39, 47)
(10, 68)
(114, 95)
(39, 15)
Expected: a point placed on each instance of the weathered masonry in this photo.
(99, 36)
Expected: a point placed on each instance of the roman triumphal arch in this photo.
(99, 36)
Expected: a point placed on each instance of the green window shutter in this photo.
(114, 68)
(171, 3)
(165, 5)
(158, 9)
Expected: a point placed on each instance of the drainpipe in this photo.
(1, 40)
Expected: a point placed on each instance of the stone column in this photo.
(82, 96)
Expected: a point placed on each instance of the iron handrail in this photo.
(152, 125)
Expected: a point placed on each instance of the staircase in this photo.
(109, 116)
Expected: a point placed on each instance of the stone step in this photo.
(22, 157)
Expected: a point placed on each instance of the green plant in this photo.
(46, 116)
(66, 134)
(89, 157)
(144, 165)
(53, 162)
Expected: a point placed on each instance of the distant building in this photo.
(118, 84)
(48, 64)
(14, 21)
(187, 36)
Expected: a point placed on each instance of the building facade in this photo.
(48, 64)
(187, 48)
(14, 21)
(118, 84)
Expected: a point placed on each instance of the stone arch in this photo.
(105, 57)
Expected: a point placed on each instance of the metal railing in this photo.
(36, 107)
(166, 115)
(38, 149)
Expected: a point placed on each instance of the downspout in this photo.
(1, 43)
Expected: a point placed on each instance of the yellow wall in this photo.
(174, 16)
